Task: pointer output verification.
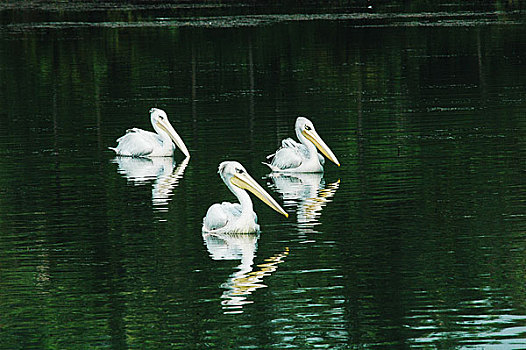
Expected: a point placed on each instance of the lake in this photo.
(418, 239)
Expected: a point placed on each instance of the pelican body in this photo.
(140, 143)
(302, 157)
(237, 217)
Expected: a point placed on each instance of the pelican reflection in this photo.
(160, 171)
(307, 191)
(247, 279)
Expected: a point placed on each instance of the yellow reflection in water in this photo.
(242, 283)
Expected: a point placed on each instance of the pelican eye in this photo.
(239, 171)
(307, 127)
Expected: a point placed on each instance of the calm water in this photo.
(417, 241)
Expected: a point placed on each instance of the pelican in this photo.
(237, 217)
(140, 143)
(301, 157)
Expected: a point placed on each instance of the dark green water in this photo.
(417, 241)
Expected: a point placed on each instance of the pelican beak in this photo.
(313, 137)
(246, 182)
(166, 126)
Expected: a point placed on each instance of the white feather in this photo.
(137, 143)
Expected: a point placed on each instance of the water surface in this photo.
(416, 241)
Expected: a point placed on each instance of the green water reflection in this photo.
(417, 240)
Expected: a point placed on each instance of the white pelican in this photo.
(237, 217)
(140, 143)
(301, 157)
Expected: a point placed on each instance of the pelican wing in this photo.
(219, 215)
(290, 155)
(137, 142)
(321, 158)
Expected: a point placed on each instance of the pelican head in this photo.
(305, 130)
(160, 122)
(235, 176)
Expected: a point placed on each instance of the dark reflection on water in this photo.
(417, 240)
